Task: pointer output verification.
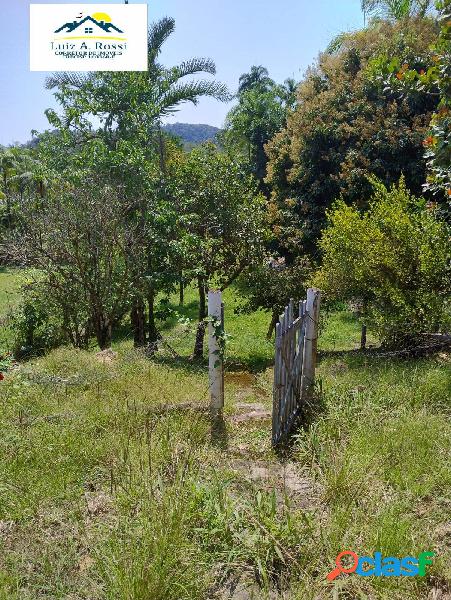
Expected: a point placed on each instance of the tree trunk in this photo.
(182, 289)
(200, 333)
(363, 338)
(103, 331)
(154, 334)
(272, 325)
(138, 321)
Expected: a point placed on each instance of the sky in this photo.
(283, 35)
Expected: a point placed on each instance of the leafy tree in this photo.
(257, 117)
(8, 171)
(17, 179)
(394, 258)
(396, 9)
(288, 92)
(224, 218)
(344, 127)
(271, 285)
(83, 247)
(130, 147)
(260, 113)
(404, 76)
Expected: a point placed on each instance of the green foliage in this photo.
(130, 150)
(223, 215)
(406, 74)
(258, 77)
(81, 243)
(397, 9)
(344, 127)
(271, 285)
(258, 116)
(37, 322)
(394, 258)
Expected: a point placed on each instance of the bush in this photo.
(43, 321)
(394, 258)
(36, 326)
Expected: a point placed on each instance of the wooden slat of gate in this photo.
(288, 369)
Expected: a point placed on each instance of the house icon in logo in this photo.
(98, 23)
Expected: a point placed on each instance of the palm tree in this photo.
(257, 77)
(163, 90)
(288, 91)
(396, 9)
(8, 171)
(17, 172)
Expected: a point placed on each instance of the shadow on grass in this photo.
(309, 413)
(189, 310)
(255, 363)
(183, 363)
(357, 358)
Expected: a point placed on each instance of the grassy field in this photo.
(113, 485)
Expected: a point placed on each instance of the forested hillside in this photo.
(192, 134)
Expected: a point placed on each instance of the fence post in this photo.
(310, 343)
(215, 358)
(276, 386)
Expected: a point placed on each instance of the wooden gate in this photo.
(295, 361)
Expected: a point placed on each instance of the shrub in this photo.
(36, 324)
(394, 258)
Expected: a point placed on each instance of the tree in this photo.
(17, 177)
(288, 92)
(403, 77)
(224, 219)
(394, 258)
(257, 77)
(257, 117)
(130, 146)
(397, 9)
(344, 127)
(260, 113)
(438, 143)
(8, 171)
(82, 246)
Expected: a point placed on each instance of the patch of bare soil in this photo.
(240, 588)
(286, 479)
(440, 590)
(107, 356)
(98, 503)
(250, 412)
(248, 382)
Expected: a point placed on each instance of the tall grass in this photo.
(111, 486)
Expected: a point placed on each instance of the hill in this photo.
(192, 133)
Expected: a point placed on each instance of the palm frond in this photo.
(196, 65)
(396, 9)
(158, 34)
(76, 80)
(191, 92)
